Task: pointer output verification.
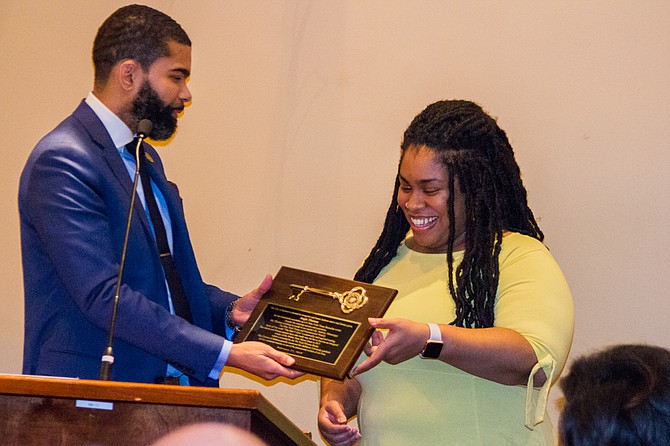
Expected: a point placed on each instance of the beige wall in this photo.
(287, 155)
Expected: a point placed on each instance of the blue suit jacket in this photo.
(74, 196)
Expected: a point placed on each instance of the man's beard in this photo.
(148, 105)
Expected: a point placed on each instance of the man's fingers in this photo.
(265, 285)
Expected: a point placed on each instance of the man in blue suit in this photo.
(74, 196)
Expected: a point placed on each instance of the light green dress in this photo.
(424, 402)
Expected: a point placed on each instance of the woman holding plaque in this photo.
(483, 320)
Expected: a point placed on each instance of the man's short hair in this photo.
(134, 32)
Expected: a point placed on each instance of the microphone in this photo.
(143, 130)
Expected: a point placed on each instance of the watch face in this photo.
(432, 350)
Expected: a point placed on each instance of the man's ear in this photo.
(130, 75)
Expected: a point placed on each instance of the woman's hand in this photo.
(404, 340)
(376, 339)
(333, 425)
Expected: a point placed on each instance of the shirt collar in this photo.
(117, 129)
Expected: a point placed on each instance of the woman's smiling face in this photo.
(423, 197)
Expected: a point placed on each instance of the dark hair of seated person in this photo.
(619, 396)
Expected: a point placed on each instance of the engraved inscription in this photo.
(303, 334)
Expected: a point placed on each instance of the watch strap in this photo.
(435, 333)
(434, 344)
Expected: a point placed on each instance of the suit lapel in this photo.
(168, 190)
(100, 137)
(173, 202)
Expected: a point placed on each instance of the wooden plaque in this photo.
(323, 335)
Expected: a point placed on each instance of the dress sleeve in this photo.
(534, 300)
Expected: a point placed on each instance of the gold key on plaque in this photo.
(350, 300)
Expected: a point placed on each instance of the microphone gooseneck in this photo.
(143, 131)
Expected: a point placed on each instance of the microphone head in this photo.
(144, 128)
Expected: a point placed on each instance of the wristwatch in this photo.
(434, 344)
(229, 317)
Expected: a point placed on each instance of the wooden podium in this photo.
(63, 411)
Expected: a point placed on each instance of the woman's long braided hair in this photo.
(477, 152)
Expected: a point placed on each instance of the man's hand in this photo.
(262, 360)
(246, 304)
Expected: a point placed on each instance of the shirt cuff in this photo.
(221, 360)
